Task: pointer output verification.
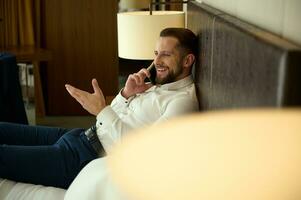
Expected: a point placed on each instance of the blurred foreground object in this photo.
(230, 155)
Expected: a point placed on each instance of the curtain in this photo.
(17, 24)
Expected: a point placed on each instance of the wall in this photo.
(241, 66)
(279, 16)
(82, 37)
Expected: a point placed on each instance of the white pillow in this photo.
(93, 182)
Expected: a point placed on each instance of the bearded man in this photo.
(54, 156)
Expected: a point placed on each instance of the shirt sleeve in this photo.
(120, 103)
(109, 126)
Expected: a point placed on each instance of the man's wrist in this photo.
(99, 110)
(124, 93)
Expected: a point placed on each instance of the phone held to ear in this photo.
(152, 69)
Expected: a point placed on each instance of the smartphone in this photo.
(153, 73)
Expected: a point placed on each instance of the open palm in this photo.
(92, 102)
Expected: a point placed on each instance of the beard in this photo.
(171, 76)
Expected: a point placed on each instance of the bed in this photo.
(239, 66)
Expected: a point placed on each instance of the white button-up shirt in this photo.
(157, 104)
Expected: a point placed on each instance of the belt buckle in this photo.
(91, 132)
(94, 141)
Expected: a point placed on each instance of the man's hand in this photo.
(93, 103)
(135, 83)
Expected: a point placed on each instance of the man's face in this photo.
(168, 60)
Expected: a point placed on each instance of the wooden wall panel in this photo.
(174, 6)
(82, 36)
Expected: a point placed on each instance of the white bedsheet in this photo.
(11, 190)
(92, 183)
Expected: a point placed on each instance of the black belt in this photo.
(94, 141)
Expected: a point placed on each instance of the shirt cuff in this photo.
(122, 99)
(106, 117)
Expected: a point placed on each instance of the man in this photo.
(54, 156)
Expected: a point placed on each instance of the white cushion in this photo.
(93, 183)
(10, 190)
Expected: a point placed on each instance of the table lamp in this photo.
(138, 31)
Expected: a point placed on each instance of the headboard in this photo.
(241, 65)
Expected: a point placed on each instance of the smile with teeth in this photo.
(161, 70)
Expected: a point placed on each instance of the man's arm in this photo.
(95, 102)
(110, 127)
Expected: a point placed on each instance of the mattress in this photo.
(10, 190)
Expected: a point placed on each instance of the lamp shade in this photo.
(230, 155)
(139, 31)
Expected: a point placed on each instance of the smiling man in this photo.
(63, 153)
(172, 61)
(140, 103)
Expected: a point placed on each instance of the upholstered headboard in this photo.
(241, 65)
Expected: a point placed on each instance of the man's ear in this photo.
(189, 60)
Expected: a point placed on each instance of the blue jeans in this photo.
(43, 155)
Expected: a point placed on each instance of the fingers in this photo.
(75, 93)
(97, 90)
(72, 90)
(146, 72)
(138, 79)
(96, 87)
(140, 76)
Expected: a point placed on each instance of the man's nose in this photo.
(157, 60)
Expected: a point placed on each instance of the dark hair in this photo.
(187, 39)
